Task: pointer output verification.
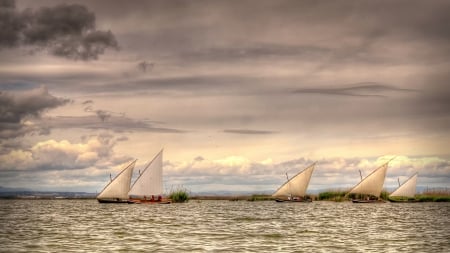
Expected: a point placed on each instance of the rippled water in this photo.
(85, 225)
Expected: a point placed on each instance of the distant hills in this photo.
(6, 192)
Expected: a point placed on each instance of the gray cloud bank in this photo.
(64, 30)
(22, 113)
(17, 107)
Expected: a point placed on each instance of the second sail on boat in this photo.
(371, 186)
(294, 189)
(405, 192)
(116, 191)
(148, 187)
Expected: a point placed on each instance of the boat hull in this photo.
(367, 201)
(114, 201)
(149, 201)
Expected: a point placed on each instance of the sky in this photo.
(237, 93)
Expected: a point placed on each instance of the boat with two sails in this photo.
(147, 188)
(294, 189)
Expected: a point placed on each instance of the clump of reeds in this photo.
(434, 195)
(179, 195)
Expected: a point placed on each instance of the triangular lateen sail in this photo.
(373, 183)
(118, 187)
(297, 185)
(407, 189)
(150, 181)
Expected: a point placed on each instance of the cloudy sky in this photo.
(236, 92)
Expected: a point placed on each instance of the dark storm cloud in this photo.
(367, 89)
(16, 107)
(10, 24)
(64, 30)
(247, 131)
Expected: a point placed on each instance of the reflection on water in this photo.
(85, 225)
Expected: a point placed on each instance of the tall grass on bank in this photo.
(179, 195)
(434, 195)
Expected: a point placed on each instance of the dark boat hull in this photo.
(114, 201)
(367, 201)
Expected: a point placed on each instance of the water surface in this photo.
(223, 226)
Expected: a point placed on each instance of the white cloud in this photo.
(61, 155)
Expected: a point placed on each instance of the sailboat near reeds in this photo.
(405, 192)
(148, 187)
(369, 189)
(116, 191)
(294, 189)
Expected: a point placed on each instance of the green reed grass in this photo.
(179, 195)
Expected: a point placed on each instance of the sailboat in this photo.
(294, 189)
(116, 191)
(370, 186)
(148, 187)
(405, 192)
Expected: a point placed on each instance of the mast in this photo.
(289, 185)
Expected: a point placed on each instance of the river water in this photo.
(223, 226)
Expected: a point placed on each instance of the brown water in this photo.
(223, 226)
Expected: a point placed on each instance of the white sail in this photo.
(373, 183)
(150, 181)
(297, 185)
(407, 189)
(118, 187)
